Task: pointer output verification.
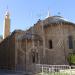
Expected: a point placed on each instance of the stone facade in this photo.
(47, 42)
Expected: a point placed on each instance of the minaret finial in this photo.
(7, 7)
(7, 11)
(59, 13)
(48, 15)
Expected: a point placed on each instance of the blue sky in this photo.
(24, 13)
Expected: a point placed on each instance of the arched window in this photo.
(50, 44)
(33, 57)
(70, 42)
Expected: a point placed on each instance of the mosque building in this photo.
(49, 41)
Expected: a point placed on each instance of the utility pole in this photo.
(33, 38)
(63, 35)
(43, 38)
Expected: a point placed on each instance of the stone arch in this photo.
(33, 55)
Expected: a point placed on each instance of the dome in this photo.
(56, 19)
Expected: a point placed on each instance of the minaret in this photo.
(6, 28)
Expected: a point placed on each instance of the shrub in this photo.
(71, 59)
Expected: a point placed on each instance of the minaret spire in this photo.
(48, 15)
(6, 28)
(7, 12)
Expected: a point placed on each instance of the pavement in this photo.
(7, 72)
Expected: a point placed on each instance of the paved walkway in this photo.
(6, 72)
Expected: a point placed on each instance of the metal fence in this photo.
(55, 69)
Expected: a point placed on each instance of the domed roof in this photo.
(56, 19)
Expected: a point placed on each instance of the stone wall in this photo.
(7, 53)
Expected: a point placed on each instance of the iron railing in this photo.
(55, 69)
